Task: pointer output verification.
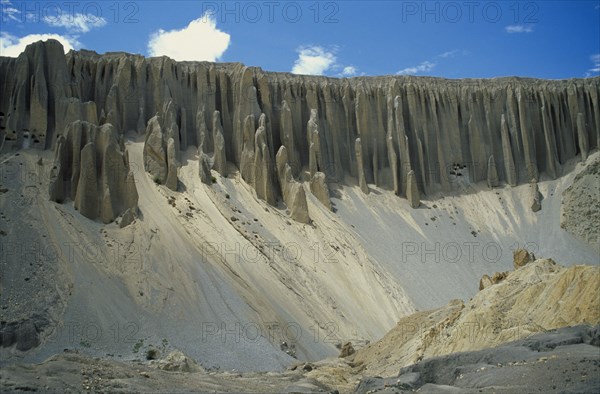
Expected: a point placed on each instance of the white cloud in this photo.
(200, 41)
(448, 54)
(73, 22)
(8, 11)
(76, 23)
(596, 60)
(349, 71)
(425, 66)
(518, 29)
(313, 60)
(429, 65)
(596, 65)
(12, 46)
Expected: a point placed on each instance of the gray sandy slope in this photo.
(204, 276)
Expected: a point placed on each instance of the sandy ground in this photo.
(215, 272)
(440, 251)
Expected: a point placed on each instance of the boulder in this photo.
(177, 361)
(499, 277)
(23, 334)
(129, 216)
(347, 350)
(536, 196)
(485, 282)
(204, 168)
(521, 257)
(26, 336)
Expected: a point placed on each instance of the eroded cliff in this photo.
(376, 130)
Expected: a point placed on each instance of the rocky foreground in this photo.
(559, 361)
(534, 330)
(579, 212)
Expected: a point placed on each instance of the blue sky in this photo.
(452, 39)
